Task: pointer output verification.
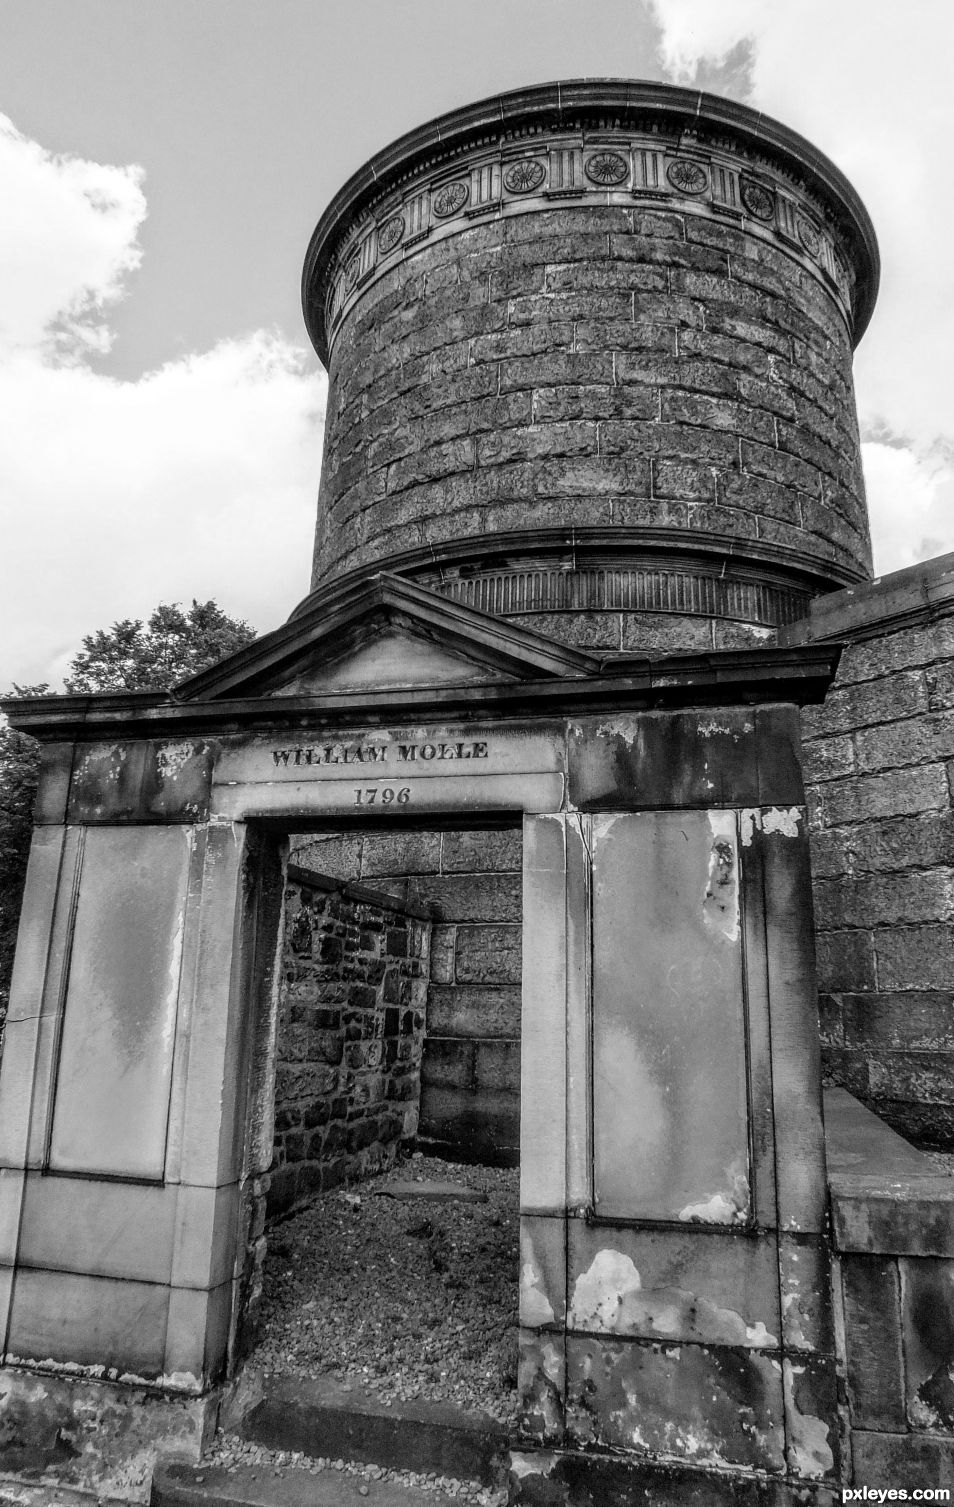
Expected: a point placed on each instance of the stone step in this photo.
(177, 1485)
(324, 1419)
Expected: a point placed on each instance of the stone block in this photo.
(88, 1321)
(497, 1066)
(927, 1307)
(542, 1271)
(879, 1457)
(805, 1283)
(471, 897)
(915, 957)
(488, 954)
(812, 1445)
(906, 1021)
(669, 1286)
(473, 1011)
(448, 1063)
(680, 759)
(845, 960)
(541, 1385)
(884, 900)
(481, 851)
(400, 853)
(710, 1405)
(872, 1298)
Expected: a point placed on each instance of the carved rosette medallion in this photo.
(449, 199)
(687, 177)
(758, 200)
(808, 235)
(390, 234)
(351, 274)
(606, 168)
(523, 177)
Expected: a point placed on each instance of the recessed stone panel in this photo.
(112, 1090)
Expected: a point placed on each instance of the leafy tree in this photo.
(129, 656)
(173, 645)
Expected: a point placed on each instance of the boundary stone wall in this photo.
(471, 881)
(879, 767)
(349, 1037)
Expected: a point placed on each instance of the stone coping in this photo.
(887, 1198)
(918, 594)
(605, 105)
(747, 677)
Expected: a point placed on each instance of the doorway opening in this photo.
(390, 1220)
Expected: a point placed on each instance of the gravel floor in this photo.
(409, 1300)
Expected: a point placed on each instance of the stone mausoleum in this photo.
(619, 789)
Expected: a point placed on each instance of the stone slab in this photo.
(324, 1418)
(432, 1192)
(563, 1478)
(858, 1141)
(261, 1486)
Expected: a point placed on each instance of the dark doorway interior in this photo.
(392, 1227)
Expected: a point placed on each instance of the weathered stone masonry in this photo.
(879, 758)
(595, 374)
(471, 882)
(350, 1029)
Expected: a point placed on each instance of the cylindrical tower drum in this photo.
(589, 352)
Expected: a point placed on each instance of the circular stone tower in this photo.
(589, 353)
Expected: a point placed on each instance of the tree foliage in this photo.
(129, 656)
(173, 645)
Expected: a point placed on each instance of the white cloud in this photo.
(198, 479)
(69, 241)
(911, 500)
(868, 82)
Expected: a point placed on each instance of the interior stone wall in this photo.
(879, 765)
(349, 1036)
(471, 881)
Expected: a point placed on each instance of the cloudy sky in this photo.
(162, 165)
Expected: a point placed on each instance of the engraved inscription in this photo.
(302, 756)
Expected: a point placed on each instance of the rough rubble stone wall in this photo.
(879, 761)
(470, 1072)
(593, 366)
(349, 1037)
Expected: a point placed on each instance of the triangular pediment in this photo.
(385, 633)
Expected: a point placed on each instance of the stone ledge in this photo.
(903, 599)
(887, 1198)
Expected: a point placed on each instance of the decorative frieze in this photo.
(640, 588)
(506, 179)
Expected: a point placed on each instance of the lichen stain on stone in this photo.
(809, 1450)
(720, 904)
(535, 1306)
(783, 820)
(722, 1208)
(171, 758)
(544, 1463)
(713, 728)
(540, 1384)
(932, 1406)
(714, 1407)
(609, 1297)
